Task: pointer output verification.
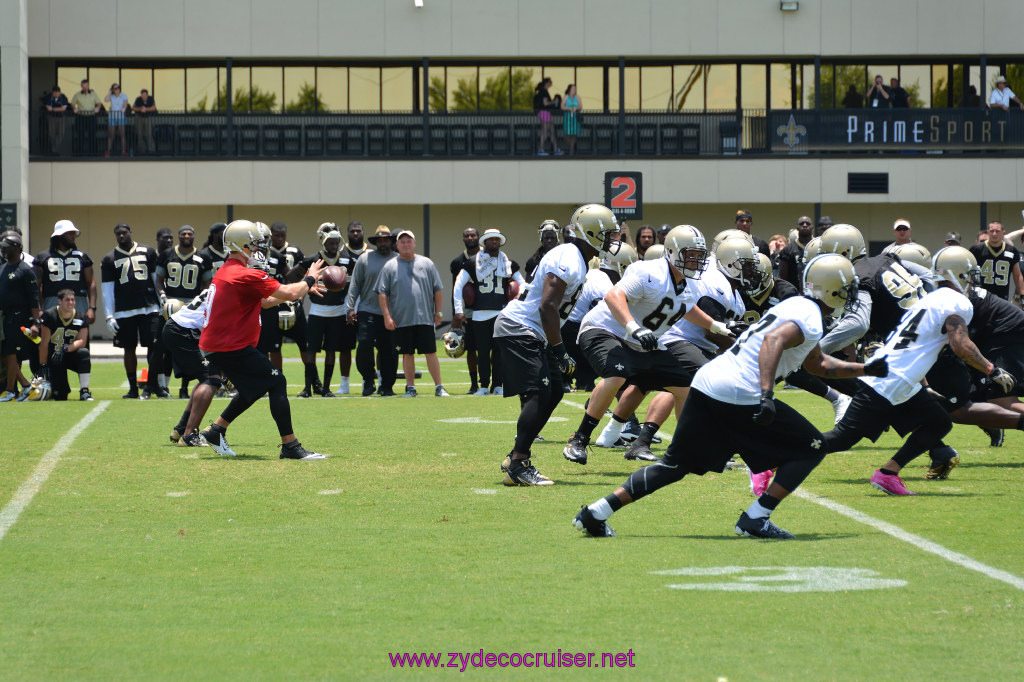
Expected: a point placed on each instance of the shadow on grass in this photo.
(995, 465)
(730, 536)
(229, 458)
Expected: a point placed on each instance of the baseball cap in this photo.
(902, 222)
(11, 238)
(64, 227)
(953, 238)
(1001, 79)
(402, 233)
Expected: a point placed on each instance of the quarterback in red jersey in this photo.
(240, 289)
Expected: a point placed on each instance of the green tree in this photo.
(308, 100)
(494, 96)
(841, 78)
(262, 100)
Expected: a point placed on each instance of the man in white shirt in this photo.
(1002, 97)
(731, 408)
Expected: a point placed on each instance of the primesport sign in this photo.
(623, 194)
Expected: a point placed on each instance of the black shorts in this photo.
(710, 431)
(469, 341)
(418, 338)
(271, 335)
(651, 371)
(15, 342)
(330, 334)
(869, 414)
(950, 377)
(184, 347)
(527, 365)
(137, 330)
(249, 370)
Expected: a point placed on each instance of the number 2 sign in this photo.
(623, 194)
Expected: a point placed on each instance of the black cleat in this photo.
(638, 450)
(522, 472)
(944, 460)
(163, 393)
(656, 439)
(182, 393)
(327, 393)
(576, 450)
(368, 388)
(473, 388)
(294, 450)
(318, 388)
(386, 393)
(85, 395)
(631, 431)
(217, 440)
(190, 440)
(304, 393)
(995, 436)
(132, 394)
(145, 395)
(760, 528)
(586, 522)
(175, 435)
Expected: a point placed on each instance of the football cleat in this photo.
(410, 392)
(473, 388)
(304, 393)
(23, 396)
(162, 392)
(85, 395)
(522, 472)
(132, 394)
(482, 391)
(944, 460)
(218, 441)
(182, 393)
(439, 392)
(586, 522)
(760, 528)
(343, 386)
(7, 396)
(890, 483)
(498, 390)
(995, 436)
(576, 449)
(369, 388)
(318, 388)
(631, 431)
(840, 406)
(145, 394)
(294, 450)
(191, 440)
(608, 440)
(638, 450)
(326, 393)
(175, 435)
(760, 482)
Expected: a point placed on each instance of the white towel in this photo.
(486, 265)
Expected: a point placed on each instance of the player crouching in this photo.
(63, 336)
(736, 388)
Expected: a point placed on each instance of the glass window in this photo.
(134, 80)
(69, 78)
(525, 79)
(782, 85)
(916, 80)
(494, 88)
(688, 84)
(396, 88)
(754, 84)
(461, 88)
(560, 77)
(100, 81)
(656, 88)
(169, 89)
(590, 87)
(721, 87)
(807, 83)
(632, 92)
(364, 89)
(267, 92)
(332, 87)
(300, 89)
(201, 89)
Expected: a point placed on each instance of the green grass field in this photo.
(140, 560)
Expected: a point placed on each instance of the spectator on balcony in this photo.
(115, 122)
(86, 104)
(744, 222)
(542, 104)
(853, 100)
(572, 105)
(878, 95)
(1002, 97)
(900, 97)
(56, 120)
(144, 108)
(973, 99)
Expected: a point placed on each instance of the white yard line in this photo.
(27, 490)
(895, 531)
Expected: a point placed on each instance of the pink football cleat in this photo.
(891, 484)
(760, 482)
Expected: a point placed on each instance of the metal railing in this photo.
(516, 134)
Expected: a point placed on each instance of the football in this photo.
(511, 290)
(334, 277)
(469, 295)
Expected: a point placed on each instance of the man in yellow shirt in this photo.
(86, 104)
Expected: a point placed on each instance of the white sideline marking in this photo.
(336, 491)
(178, 494)
(27, 490)
(485, 491)
(449, 454)
(915, 540)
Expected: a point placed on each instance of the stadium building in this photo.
(419, 114)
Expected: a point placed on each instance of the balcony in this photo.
(514, 135)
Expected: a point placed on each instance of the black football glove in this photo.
(877, 368)
(565, 362)
(737, 327)
(765, 414)
(1003, 379)
(58, 356)
(645, 337)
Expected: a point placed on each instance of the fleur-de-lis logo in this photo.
(791, 132)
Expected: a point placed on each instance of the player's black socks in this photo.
(621, 420)
(647, 433)
(587, 426)
(614, 502)
(768, 502)
(133, 383)
(328, 373)
(888, 472)
(183, 422)
(1020, 423)
(310, 373)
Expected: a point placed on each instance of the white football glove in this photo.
(112, 324)
(721, 329)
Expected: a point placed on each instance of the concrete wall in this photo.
(395, 28)
(14, 105)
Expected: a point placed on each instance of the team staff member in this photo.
(471, 239)
(19, 303)
(364, 308)
(347, 257)
(232, 330)
(63, 266)
(999, 261)
(744, 222)
(63, 346)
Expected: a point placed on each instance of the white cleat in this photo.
(218, 442)
(840, 406)
(498, 390)
(343, 388)
(482, 391)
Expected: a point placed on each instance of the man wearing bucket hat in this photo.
(491, 273)
(63, 266)
(1002, 97)
(409, 292)
(364, 309)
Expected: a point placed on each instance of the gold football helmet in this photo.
(914, 253)
(596, 225)
(958, 266)
(846, 240)
(686, 249)
(829, 278)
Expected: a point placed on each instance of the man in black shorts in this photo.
(734, 392)
(471, 240)
(19, 303)
(130, 303)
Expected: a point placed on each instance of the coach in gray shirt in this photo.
(364, 309)
(409, 293)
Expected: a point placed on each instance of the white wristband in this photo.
(631, 327)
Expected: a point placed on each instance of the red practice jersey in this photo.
(233, 312)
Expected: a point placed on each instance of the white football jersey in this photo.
(735, 376)
(714, 285)
(566, 263)
(914, 346)
(594, 288)
(654, 298)
(192, 315)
